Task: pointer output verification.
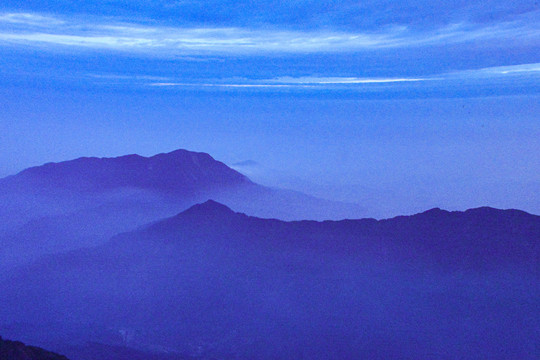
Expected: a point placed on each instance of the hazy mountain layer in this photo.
(83, 202)
(213, 283)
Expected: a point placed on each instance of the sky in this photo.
(401, 105)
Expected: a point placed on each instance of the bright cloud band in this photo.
(46, 31)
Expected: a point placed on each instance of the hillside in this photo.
(213, 283)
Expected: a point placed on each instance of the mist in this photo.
(211, 283)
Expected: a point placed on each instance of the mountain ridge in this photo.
(178, 170)
(472, 238)
(210, 273)
(211, 206)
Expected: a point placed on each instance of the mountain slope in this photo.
(218, 284)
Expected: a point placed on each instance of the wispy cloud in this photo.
(221, 85)
(513, 69)
(496, 72)
(29, 19)
(49, 32)
(316, 83)
(322, 82)
(288, 82)
(341, 80)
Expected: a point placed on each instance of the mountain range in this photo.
(212, 283)
(126, 258)
(82, 202)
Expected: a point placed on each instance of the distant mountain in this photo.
(476, 238)
(216, 284)
(179, 176)
(55, 189)
(15, 350)
(178, 173)
(83, 202)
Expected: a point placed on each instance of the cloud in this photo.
(223, 85)
(531, 70)
(351, 83)
(290, 82)
(513, 69)
(49, 32)
(29, 19)
(286, 82)
(341, 80)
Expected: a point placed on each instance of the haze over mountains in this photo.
(125, 258)
(62, 206)
(212, 283)
(367, 189)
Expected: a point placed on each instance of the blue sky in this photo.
(361, 97)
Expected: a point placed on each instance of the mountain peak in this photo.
(209, 207)
(435, 212)
(208, 212)
(182, 154)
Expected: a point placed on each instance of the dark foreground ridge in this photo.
(15, 350)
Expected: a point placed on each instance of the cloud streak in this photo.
(313, 82)
(37, 30)
(290, 82)
(28, 19)
(341, 80)
(514, 69)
